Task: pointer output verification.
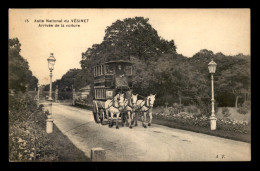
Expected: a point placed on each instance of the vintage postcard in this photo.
(88, 85)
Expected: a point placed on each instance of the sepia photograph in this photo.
(129, 85)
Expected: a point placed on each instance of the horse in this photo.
(142, 106)
(114, 107)
(129, 106)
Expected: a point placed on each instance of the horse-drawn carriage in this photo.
(114, 96)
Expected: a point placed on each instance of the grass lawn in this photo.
(66, 150)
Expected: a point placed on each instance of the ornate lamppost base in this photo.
(213, 122)
(49, 124)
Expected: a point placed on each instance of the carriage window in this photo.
(95, 72)
(109, 69)
(98, 94)
(128, 70)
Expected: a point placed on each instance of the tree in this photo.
(72, 78)
(136, 37)
(19, 74)
(159, 69)
(236, 79)
(130, 39)
(232, 77)
(32, 81)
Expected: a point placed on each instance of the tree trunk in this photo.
(236, 102)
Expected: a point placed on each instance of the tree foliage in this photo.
(131, 39)
(72, 78)
(20, 76)
(160, 69)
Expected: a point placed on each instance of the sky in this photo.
(219, 30)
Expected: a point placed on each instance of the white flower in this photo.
(20, 140)
(32, 154)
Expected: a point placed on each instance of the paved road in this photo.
(156, 143)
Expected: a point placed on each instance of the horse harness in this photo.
(130, 104)
(113, 100)
(145, 104)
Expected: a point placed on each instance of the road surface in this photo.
(155, 143)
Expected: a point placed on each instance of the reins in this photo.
(113, 100)
(145, 104)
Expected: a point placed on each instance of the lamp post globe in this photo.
(212, 67)
(51, 61)
(213, 120)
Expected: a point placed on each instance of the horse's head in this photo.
(150, 100)
(134, 99)
(120, 99)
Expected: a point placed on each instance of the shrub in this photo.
(176, 108)
(245, 108)
(26, 140)
(205, 106)
(192, 109)
(225, 112)
(175, 105)
(27, 136)
(166, 111)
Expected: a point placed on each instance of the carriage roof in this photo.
(118, 61)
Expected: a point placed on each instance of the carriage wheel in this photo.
(102, 117)
(96, 117)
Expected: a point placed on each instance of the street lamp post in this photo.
(213, 120)
(49, 122)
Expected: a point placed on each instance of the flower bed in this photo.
(28, 140)
(203, 121)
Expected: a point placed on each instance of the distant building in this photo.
(84, 92)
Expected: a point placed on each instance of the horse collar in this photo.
(145, 104)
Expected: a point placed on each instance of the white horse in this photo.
(144, 106)
(114, 107)
(129, 106)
